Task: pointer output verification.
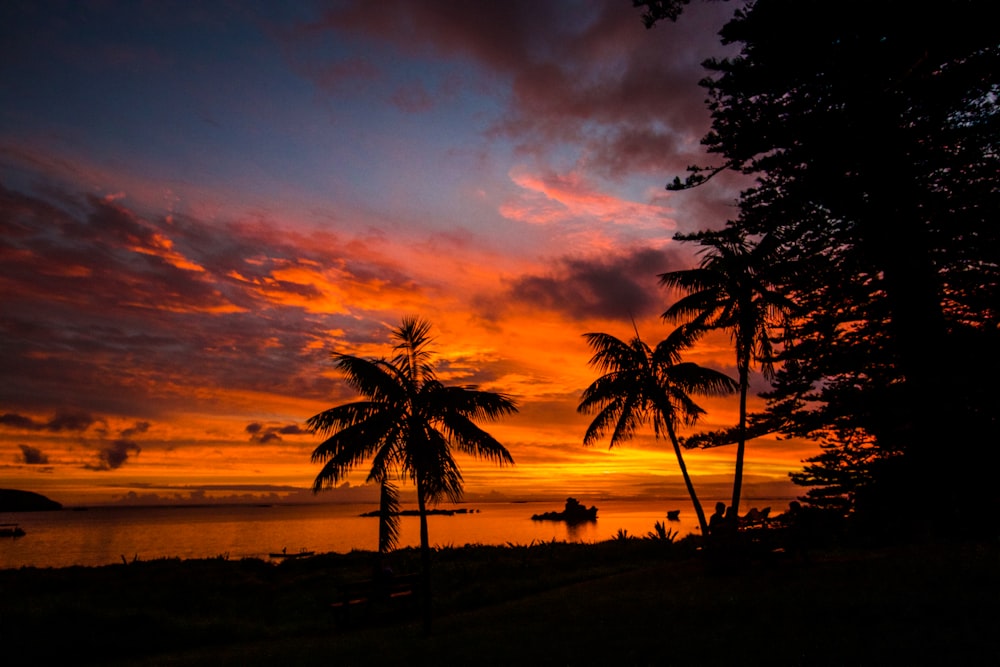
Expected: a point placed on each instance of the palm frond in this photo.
(471, 439)
(430, 458)
(413, 354)
(388, 456)
(471, 402)
(683, 409)
(351, 446)
(343, 416)
(612, 354)
(620, 417)
(688, 280)
(703, 310)
(697, 379)
(375, 379)
(349, 435)
(606, 388)
(388, 517)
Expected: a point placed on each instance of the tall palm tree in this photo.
(727, 290)
(407, 424)
(640, 385)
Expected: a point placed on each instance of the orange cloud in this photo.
(158, 245)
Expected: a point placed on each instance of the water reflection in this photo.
(102, 536)
(581, 531)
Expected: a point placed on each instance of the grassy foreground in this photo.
(631, 602)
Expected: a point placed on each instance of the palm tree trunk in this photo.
(741, 444)
(687, 481)
(425, 557)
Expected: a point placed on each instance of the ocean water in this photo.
(106, 535)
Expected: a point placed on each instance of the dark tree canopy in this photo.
(872, 129)
(658, 10)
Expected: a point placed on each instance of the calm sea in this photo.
(105, 535)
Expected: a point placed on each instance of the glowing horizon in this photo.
(198, 208)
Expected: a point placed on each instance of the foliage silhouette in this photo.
(388, 517)
(661, 533)
(658, 10)
(727, 291)
(874, 145)
(407, 425)
(640, 385)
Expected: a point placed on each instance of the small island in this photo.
(574, 512)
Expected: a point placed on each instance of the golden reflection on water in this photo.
(102, 536)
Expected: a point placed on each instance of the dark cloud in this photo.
(11, 420)
(115, 454)
(96, 251)
(110, 455)
(139, 428)
(62, 421)
(140, 309)
(71, 421)
(263, 434)
(33, 455)
(614, 287)
(584, 72)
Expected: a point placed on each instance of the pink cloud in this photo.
(549, 198)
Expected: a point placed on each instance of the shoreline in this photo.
(65, 538)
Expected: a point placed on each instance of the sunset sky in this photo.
(200, 201)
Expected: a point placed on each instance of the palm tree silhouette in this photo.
(728, 291)
(640, 385)
(407, 425)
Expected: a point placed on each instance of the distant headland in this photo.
(12, 500)
(430, 512)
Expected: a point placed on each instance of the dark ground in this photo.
(631, 602)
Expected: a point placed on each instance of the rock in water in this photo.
(573, 513)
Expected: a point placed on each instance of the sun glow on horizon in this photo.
(172, 291)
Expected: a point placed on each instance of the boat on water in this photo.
(11, 530)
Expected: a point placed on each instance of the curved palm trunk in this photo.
(687, 481)
(741, 444)
(425, 557)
